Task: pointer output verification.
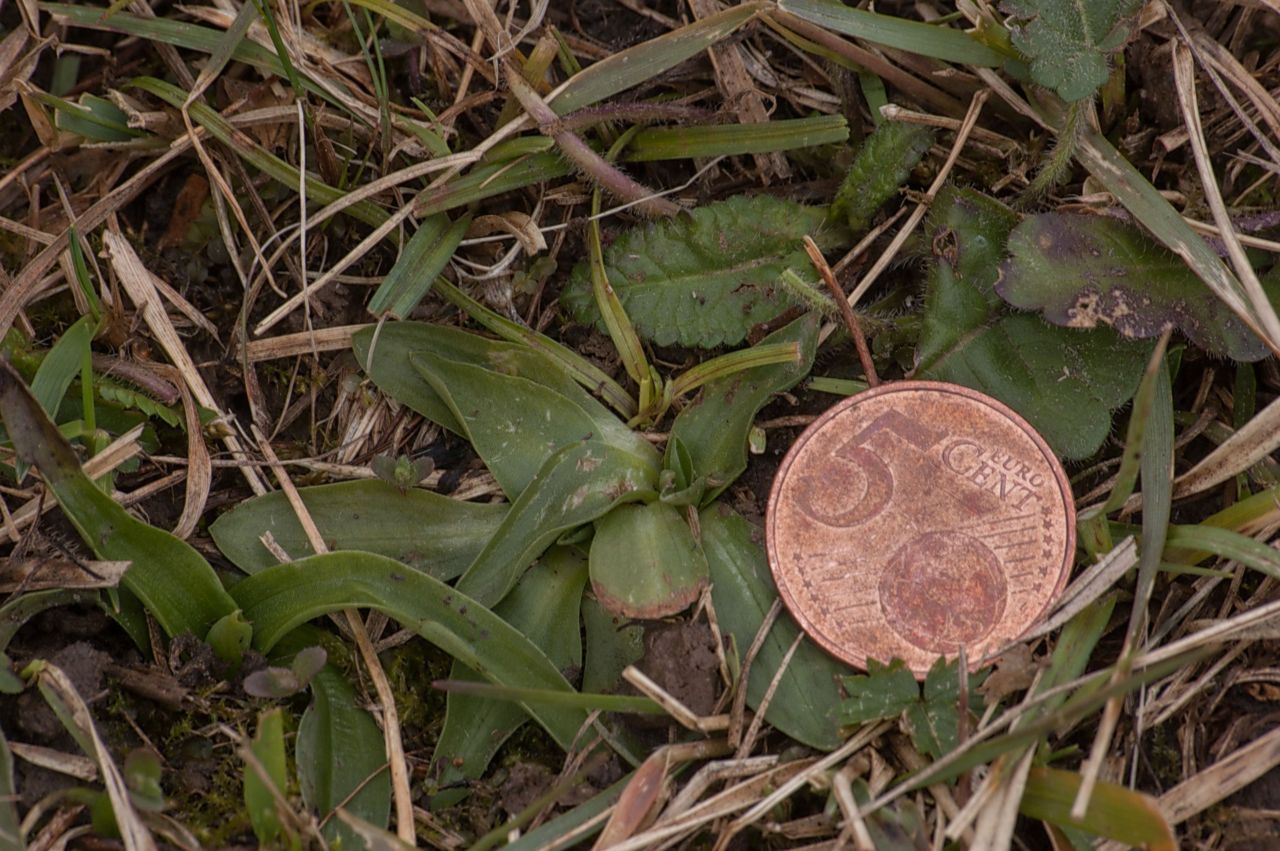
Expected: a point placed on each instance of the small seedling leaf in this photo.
(260, 792)
(229, 637)
(1069, 44)
(707, 278)
(645, 562)
(427, 531)
(1081, 271)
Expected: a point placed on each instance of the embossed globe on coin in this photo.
(918, 518)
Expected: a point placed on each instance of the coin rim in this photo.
(771, 514)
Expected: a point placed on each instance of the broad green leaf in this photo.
(645, 562)
(171, 579)
(259, 801)
(913, 36)
(612, 643)
(1084, 270)
(885, 691)
(341, 757)
(282, 597)
(707, 278)
(515, 424)
(576, 485)
(967, 232)
(808, 696)
(423, 257)
(1069, 44)
(1064, 382)
(395, 344)
(544, 607)
(713, 430)
(880, 168)
(427, 531)
(1114, 812)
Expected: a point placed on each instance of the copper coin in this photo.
(918, 518)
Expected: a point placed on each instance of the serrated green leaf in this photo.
(707, 278)
(808, 697)
(645, 562)
(544, 607)
(885, 691)
(1081, 271)
(109, 391)
(427, 531)
(713, 430)
(1069, 44)
(935, 719)
(880, 168)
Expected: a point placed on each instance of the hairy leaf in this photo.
(742, 590)
(1081, 271)
(645, 562)
(705, 279)
(1069, 43)
(879, 169)
(427, 531)
(1065, 382)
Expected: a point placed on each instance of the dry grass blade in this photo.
(35, 574)
(138, 283)
(638, 803)
(61, 694)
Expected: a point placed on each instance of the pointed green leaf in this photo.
(171, 579)
(885, 691)
(707, 278)
(544, 607)
(341, 757)
(423, 257)
(1114, 812)
(425, 530)
(282, 597)
(575, 486)
(259, 800)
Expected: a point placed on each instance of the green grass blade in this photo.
(913, 36)
(1157, 498)
(1227, 544)
(287, 595)
(421, 260)
(1114, 812)
(224, 49)
(670, 143)
(1127, 476)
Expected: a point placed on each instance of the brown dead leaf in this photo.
(1015, 671)
(638, 803)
